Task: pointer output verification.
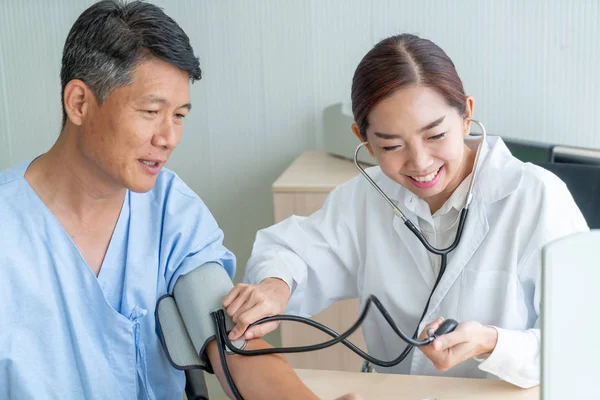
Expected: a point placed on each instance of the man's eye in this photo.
(390, 148)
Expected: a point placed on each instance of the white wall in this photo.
(271, 66)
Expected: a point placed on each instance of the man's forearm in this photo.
(259, 377)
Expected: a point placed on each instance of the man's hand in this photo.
(246, 304)
(469, 339)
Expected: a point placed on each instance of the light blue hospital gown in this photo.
(65, 334)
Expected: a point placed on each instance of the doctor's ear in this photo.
(469, 107)
(360, 137)
(77, 97)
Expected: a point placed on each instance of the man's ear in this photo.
(77, 97)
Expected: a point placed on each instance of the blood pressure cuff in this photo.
(184, 318)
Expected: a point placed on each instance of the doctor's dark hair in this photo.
(400, 61)
(112, 37)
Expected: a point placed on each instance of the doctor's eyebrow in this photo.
(432, 124)
(427, 127)
(386, 135)
(150, 98)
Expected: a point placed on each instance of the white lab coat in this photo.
(354, 246)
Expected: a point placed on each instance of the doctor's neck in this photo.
(65, 177)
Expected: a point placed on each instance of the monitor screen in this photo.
(575, 155)
(529, 151)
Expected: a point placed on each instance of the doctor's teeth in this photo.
(150, 163)
(426, 178)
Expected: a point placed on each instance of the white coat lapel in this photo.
(415, 248)
(418, 253)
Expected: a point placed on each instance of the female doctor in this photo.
(409, 105)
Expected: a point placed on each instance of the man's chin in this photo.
(142, 186)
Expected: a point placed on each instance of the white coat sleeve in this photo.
(516, 358)
(316, 256)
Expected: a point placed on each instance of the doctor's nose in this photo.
(418, 160)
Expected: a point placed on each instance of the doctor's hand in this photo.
(469, 339)
(246, 304)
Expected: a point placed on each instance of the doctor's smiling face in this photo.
(418, 140)
(410, 106)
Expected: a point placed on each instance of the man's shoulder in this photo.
(12, 189)
(171, 194)
(169, 184)
(13, 174)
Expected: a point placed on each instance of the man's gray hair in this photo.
(112, 37)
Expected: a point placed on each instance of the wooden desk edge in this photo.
(315, 171)
(321, 380)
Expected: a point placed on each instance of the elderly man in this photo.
(95, 231)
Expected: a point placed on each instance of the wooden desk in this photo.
(332, 384)
(301, 190)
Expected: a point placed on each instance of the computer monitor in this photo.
(575, 155)
(570, 323)
(529, 150)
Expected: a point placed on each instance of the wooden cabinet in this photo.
(301, 190)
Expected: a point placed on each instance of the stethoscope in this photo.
(447, 326)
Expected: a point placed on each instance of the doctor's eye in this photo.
(437, 137)
(390, 148)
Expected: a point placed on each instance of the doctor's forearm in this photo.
(261, 377)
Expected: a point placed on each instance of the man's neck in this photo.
(68, 183)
